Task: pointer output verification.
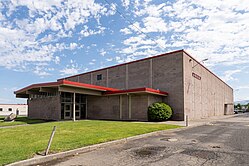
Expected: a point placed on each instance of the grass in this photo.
(22, 142)
(20, 120)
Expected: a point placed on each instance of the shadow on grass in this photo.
(25, 120)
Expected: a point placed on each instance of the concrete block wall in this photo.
(162, 72)
(171, 73)
(125, 107)
(115, 108)
(139, 107)
(117, 77)
(139, 74)
(48, 108)
(168, 76)
(153, 99)
(206, 96)
(106, 107)
(86, 78)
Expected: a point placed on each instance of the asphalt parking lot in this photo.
(222, 142)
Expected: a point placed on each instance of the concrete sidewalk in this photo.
(202, 121)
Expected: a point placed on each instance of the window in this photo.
(10, 109)
(1, 109)
(68, 107)
(99, 77)
(67, 114)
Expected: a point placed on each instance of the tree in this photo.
(238, 106)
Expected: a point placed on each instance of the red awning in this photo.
(137, 90)
(76, 87)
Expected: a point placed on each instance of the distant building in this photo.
(18, 109)
(124, 91)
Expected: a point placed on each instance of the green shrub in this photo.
(159, 112)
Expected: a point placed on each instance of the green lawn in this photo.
(22, 142)
(19, 121)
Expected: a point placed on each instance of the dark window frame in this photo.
(99, 77)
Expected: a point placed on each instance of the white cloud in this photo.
(126, 31)
(213, 29)
(243, 87)
(69, 71)
(57, 60)
(217, 30)
(150, 22)
(229, 75)
(125, 3)
(72, 46)
(29, 40)
(88, 32)
(41, 73)
(102, 52)
(109, 59)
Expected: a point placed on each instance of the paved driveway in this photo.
(224, 142)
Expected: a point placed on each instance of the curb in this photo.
(44, 159)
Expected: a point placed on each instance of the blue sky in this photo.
(45, 40)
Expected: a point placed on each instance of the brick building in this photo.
(124, 92)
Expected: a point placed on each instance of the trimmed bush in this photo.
(159, 112)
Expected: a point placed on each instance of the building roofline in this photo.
(164, 54)
(105, 90)
(122, 64)
(50, 84)
(67, 83)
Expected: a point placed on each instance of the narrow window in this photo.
(1, 109)
(10, 109)
(99, 77)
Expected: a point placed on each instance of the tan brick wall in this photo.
(125, 107)
(99, 82)
(74, 79)
(139, 107)
(117, 77)
(206, 97)
(86, 78)
(48, 108)
(153, 99)
(197, 98)
(106, 107)
(138, 74)
(164, 73)
(168, 76)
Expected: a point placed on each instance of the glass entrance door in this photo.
(67, 111)
(83, 111)
(77, 111)
(67, 102)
